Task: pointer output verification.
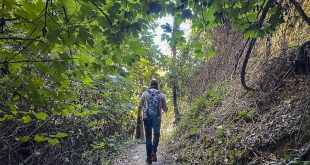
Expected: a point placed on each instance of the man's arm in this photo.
(164, 104)
(140, 106)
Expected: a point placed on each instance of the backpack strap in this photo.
(147, 111)
(149, 91)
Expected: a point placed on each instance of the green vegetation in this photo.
(68, 72)
(72, 71)
(198, 113)
(210, 147)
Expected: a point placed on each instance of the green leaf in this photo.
(39, 138)
(61, 135)
(179, 34)
(26, 119)
(87, 81)
(197, 45)
(105, 94)
(52, 141)
(129, 79)
(85, 36)
(6, 117)
(55, 112)
(65, 112)
(155, 7)
(210, 13)
(41, 67)
(108, 62)
(41, 115)
(72, 96)
(211, 53)
(252, 17)
(164, 37)
(186, 14)
(23, 138)
(251, 34)
(60, 66)
(199, 54)
(77, 105)
(85, 113)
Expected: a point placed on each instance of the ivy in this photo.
(52, 141)
(26, 119)
(61, 135)
(39, 138)
(41, 115)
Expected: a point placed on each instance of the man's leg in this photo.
(156, 127)
(148, 138)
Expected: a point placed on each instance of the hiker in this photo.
(152, 102)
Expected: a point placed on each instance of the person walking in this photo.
(152, 101)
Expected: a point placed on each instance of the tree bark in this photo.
(258, 25)
(174, 83)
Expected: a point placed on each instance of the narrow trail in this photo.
(137, 156)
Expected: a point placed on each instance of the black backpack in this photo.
(153, 109)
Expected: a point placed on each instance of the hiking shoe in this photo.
(148, 161)
(154, 157)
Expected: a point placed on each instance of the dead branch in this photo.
(301, 12)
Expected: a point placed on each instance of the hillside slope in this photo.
(229, 125)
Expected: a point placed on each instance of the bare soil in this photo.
(137, 155)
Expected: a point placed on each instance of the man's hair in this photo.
(154, 84)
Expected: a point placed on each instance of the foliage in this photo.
(198, 114)
(64, 76)
(212, 147)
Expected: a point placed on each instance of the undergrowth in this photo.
(198, 113)
(201, 139)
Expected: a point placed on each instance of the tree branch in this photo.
(65, 12)
(239, 54)
(16, 38)
(245, 62)
(44, 30)
(305, 153)
(203, 17)
(31, 61)
(105, 15)
(301, 12)
(257, 25)
(87, 51)
(11, 19)
(21, 44)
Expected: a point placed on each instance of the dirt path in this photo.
(137, 156)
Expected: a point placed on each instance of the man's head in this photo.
(154, 84)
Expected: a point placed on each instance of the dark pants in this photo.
(151, 146)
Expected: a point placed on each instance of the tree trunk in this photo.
(174, 80)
